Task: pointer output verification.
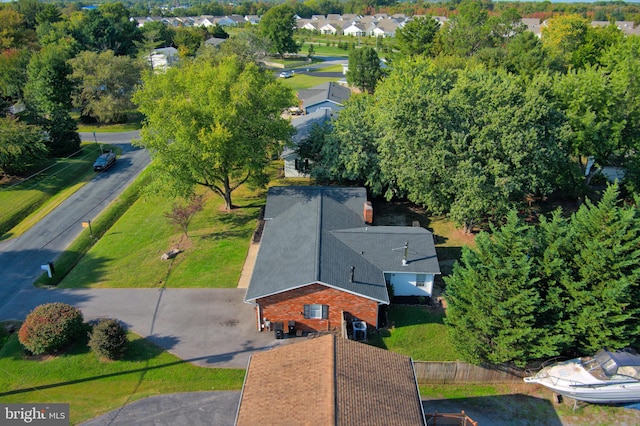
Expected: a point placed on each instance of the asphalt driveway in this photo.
(207, 327)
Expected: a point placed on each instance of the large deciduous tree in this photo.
(105, 83)
(108, 28)
(48, 96)
(364, 69)
(277, 25)
(213, 123)
(20, 145)
(470, 144)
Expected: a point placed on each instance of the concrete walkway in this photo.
(249, 263)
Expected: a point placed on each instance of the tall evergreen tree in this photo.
(494, 299)
(604, 296)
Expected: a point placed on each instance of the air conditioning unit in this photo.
(359, 330)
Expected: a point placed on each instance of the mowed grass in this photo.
(321, 49)
(303, 81)
(134, 123)
(93, 388)
(128, 255)
(23, 204)
(418, 333)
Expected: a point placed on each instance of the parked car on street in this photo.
(285, 74)
(105, 161)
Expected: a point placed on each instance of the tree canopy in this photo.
(20, 144)
(277, 25)
(364, 69)
(563, 287)
(214, 123)
(105, 84)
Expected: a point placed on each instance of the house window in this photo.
(316, 311)
(420, 280)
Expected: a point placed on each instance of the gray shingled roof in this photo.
(331, 91)
(304, 124)
(317, 234)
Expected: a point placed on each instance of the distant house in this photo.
(320, 261)
(329, 28)
(355, 29)
(330, 381)
(164, 58)
(324, 96)
(293, 166)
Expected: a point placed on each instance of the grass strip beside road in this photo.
(79, 247)
(23, 204)
(94, 388)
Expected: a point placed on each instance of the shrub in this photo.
(108, 339)
(49, 327)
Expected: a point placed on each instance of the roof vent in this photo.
(353, 272)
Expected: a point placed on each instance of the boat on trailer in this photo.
(608, 377)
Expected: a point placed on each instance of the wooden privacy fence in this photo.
(460, 372)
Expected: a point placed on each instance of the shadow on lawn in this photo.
(498, 410)
(93, 271)
(135, 355)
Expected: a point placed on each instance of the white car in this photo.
(285, 74)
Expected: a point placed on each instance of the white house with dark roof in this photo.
(320, 260)
(324, 96)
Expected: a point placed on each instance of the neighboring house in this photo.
(307, 24)
(355, 29)
(324, 96)
(320, 262)
(163, 58)
(293, 166)
(330, 381)
(533, 25)
(252, 19)
(329, 28)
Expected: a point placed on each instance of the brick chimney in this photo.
(368, 212)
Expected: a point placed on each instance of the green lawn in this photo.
(134, 123)
(418, 333)
(128, 254)
(303, 81)
(24, 204)
(321, 49)
(94, 388)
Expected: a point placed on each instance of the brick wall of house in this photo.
(289, 305)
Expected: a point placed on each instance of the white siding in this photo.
(404, 284)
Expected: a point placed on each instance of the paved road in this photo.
(207, 327)
(21, 257)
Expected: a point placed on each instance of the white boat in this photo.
(607, 377)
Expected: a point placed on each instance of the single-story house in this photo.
(324, 96)
(355, 29)
(329, 28)
(330, 381)
(321, 262)
(293, 166)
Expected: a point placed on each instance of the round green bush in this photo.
(49, 327)
(108, 339)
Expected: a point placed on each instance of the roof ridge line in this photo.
(319, 235)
